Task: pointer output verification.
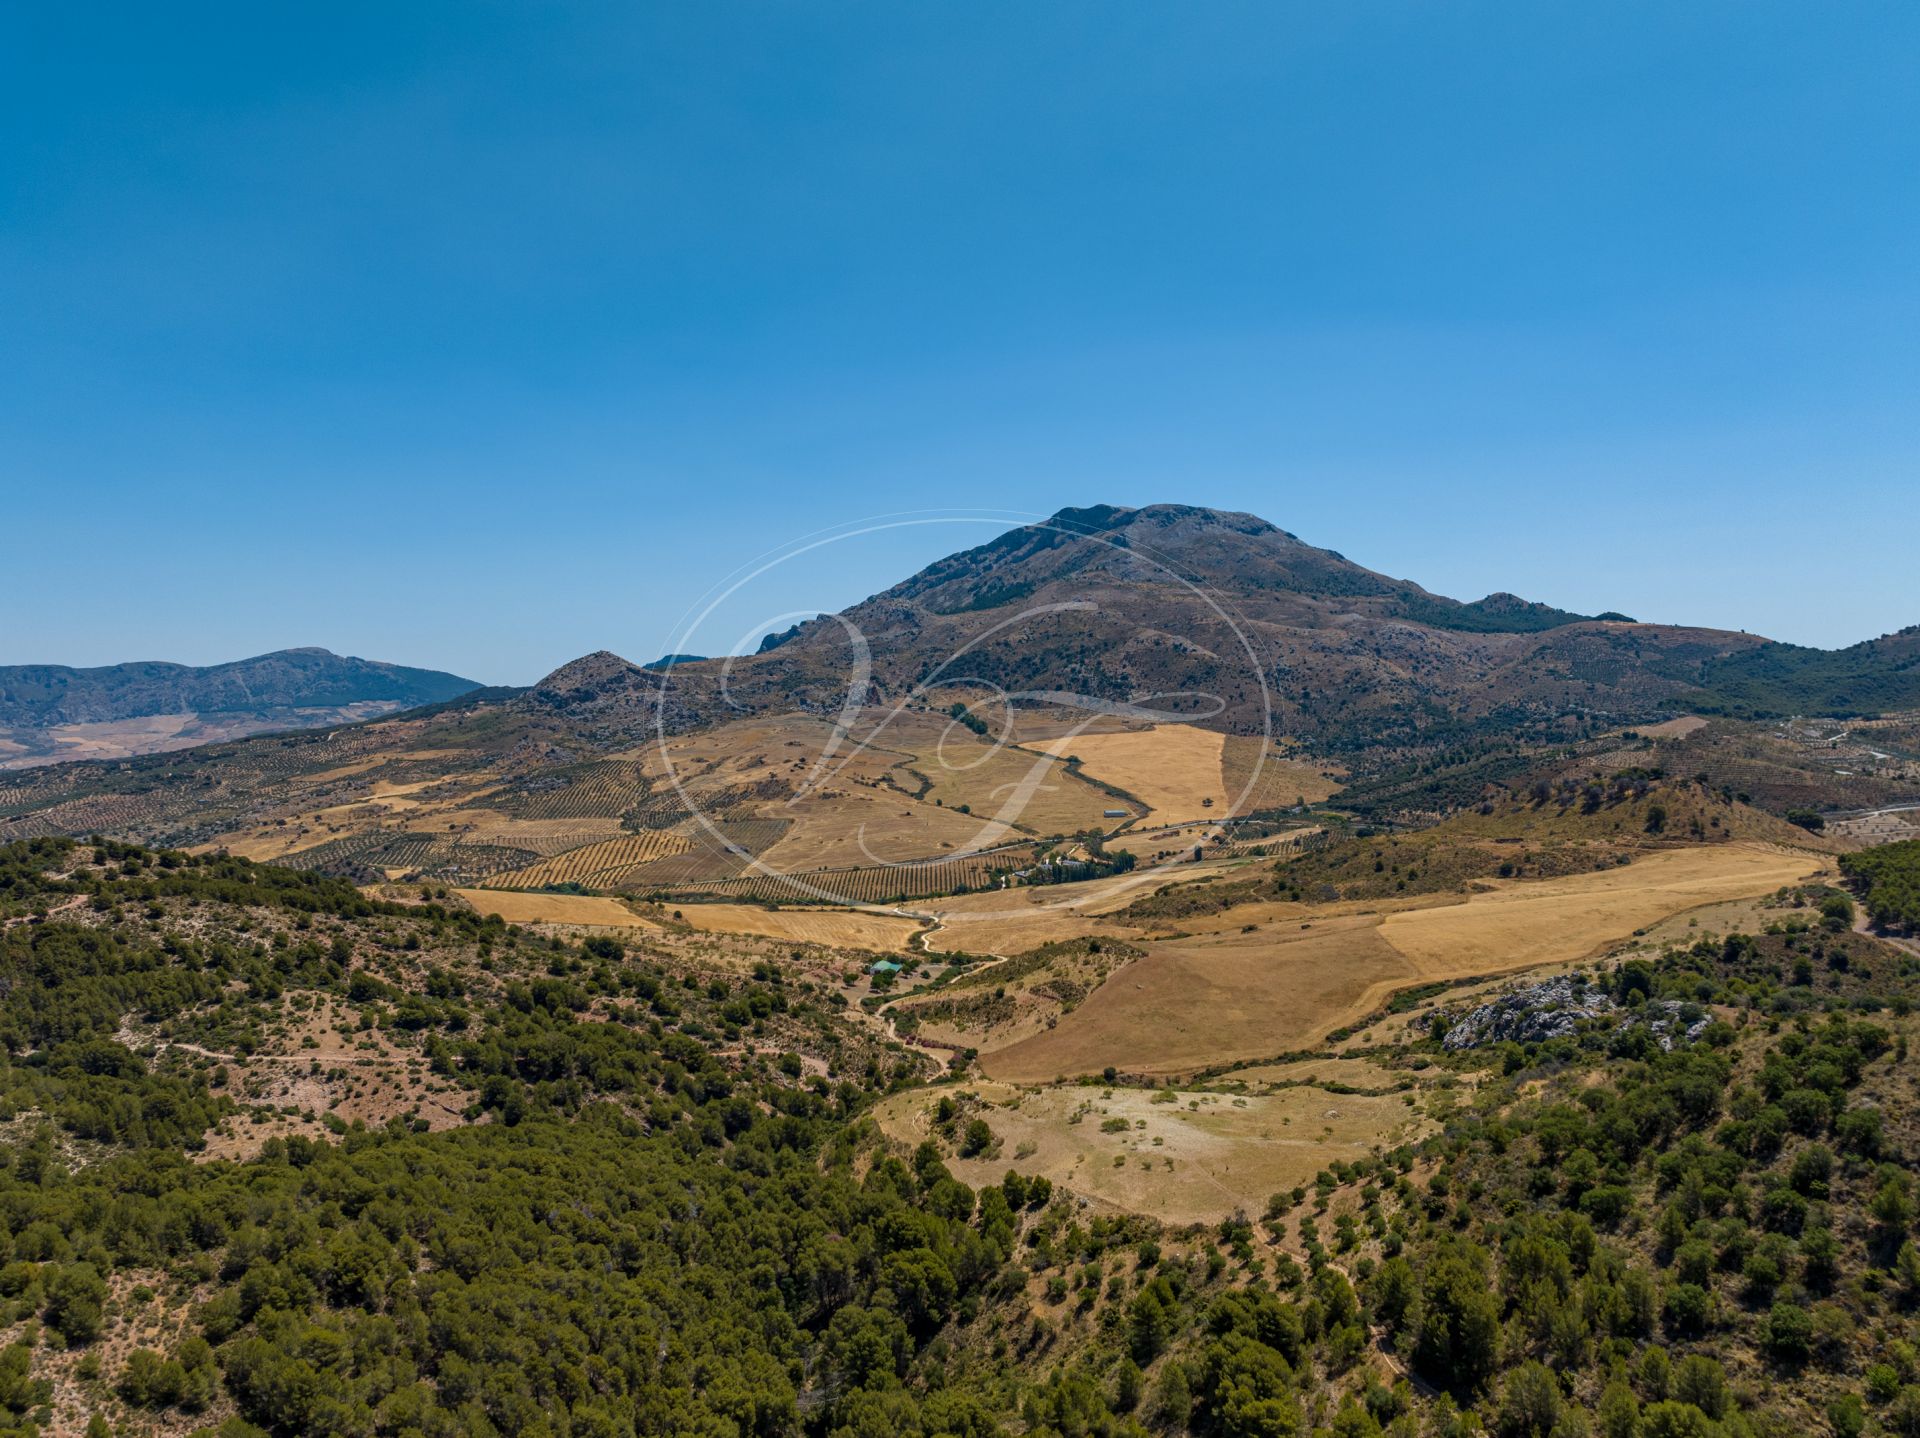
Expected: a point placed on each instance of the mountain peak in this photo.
(1099, 519)
(582, 677)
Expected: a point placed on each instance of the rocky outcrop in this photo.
(1557, 1008)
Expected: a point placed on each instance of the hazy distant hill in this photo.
(50, 711)
(47, 694)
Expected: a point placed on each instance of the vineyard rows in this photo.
(354, 855)
(603, 790)
(707, 858)
(100, 813)
(601, 865)
(666, 808)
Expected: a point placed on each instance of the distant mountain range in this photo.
(50, 712)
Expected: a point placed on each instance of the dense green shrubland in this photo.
(661, 1223)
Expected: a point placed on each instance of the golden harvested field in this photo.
(1227, 996)
(1519, 924)
(1011, 921)
(1673, 728)
(578, 909)
(1172, 768)
(1036, 792)
(595, 866)
(854, 828)
(999, 930)
(1197, 1159)
(836, 928)
(1191, 1004)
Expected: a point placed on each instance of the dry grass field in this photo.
(1174, 769)
(852, 828)
(835, 928)
(1197, 1158)
(1192, 1004)
(1520, 924)
(1011, 921)
(1035, 792)
(1228, 995)
(1673, 728)
(577, 909)
(1345, 1072)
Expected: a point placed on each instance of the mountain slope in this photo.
(1117, 604)
(1869, 678)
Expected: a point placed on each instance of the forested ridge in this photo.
(663, 1211)
(1890, 876)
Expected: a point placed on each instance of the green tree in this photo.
(1530, 1403)
(1457, 1342)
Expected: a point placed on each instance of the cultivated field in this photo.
(1035, 792)
(1011, 921)
(836, 928)
(1191, 1004)
(578, 909)
(1885, 826)
(1174, 769)
(1673, 728)
(595, 866)
(1196, 1158)
(853, 828)
(1229, 995)
(1520, 924)
(876, 884)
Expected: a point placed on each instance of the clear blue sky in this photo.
(480, 335)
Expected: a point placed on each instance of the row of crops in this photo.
(93, 814)
(605, 789)
(430, 855)
(602, 865)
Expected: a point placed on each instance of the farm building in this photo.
(884, 967)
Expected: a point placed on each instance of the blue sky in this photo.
(482, 335)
